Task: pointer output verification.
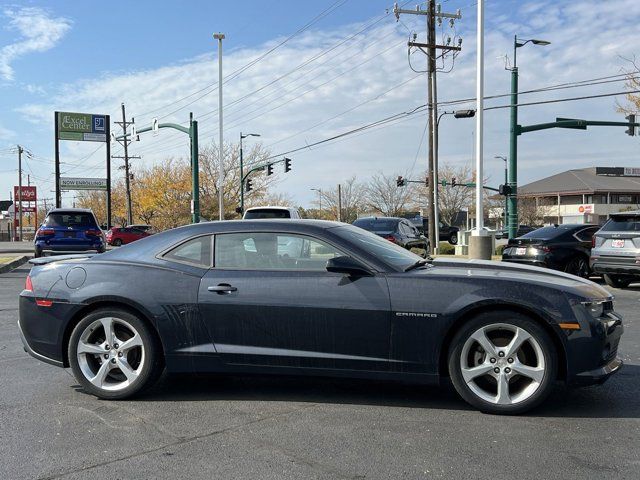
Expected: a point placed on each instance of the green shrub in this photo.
(446, 249)
(499, 249)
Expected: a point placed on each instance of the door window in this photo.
(272, 251)
(196, 251)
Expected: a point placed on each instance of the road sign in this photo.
(75, 183)
(28, 194)
(84, 127)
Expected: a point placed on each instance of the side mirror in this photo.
(348, 266)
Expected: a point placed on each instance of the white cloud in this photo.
(38, 32)
(584, 45)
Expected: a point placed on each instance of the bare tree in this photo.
(385, 197)
(452, 200)
(632, 84)
(353, 201)
(528, 212)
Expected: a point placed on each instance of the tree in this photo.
(352, 201)
(632, 84)
(384, 196)
(452, 200)
(528, 212)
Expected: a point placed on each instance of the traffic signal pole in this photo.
(512, 171)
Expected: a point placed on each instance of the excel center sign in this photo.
(84, 127)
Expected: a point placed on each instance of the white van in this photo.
(255, 213)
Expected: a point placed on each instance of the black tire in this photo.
(37, 253)
(149, 371)
(616, 281)
(578, 266)
(117, 242)
(514, 320)
(453, 238)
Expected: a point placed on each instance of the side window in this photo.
(586, 234)
(406, 229)
(272, 251)
(196, 251)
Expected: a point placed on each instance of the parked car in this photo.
(561, 247)
(397, 230)
(121, 235)
(255, 213)
(69, 230)
(446, 233)
(522, 230)
(196, 298)
(141, 226)
(616, 249)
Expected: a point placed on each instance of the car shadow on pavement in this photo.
(617, 398)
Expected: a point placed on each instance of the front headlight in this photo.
(596, 307)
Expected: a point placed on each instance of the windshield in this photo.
(376, 224)
(70, 219)
(622, 224)
(378, 247)
(267, 213)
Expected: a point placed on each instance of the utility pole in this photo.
(19, 196)
(434, 15)
(339, 202)
(220, 37)
(125, 141)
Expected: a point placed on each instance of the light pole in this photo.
(242, 136)
(457, 114)
(220, 37)
(319, 190)
(512, 197)
(506, 200)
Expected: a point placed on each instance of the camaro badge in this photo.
(414, 314)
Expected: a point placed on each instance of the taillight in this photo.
(45, 231)
(391, 238)
(28, 285)
(95, 233)
(545, 249)
(593, 242)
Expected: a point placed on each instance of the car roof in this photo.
(631, 213)
(381, 218)
(271, 207)
(74, 210)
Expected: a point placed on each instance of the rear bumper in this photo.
(33, 353)
(615, 265)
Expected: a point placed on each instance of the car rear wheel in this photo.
(117, 242)
(578, 266)
(453, 239)
(616, 281)
(113, 354)
(502, 363)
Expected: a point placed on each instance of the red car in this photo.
(119, 236)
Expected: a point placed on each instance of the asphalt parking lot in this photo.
(221, 427)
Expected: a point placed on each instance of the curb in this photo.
(7, 267)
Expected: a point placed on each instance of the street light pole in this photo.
(243, 136)
(506, 199)
(220, 37)
(512, 198)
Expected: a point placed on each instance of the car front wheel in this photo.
(502, 363)
(117, 242)
(113, 354)
(453, 239)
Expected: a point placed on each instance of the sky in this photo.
(298, 72)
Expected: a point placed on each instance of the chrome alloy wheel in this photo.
(502, 364)
(110, 353)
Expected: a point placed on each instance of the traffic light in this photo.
(631, 131)
(248, 187)
(453, 181)
(270, 169)
(400, 182)
(287, 165)
(504, 190)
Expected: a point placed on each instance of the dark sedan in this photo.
(219, 297)
(397, 230)
(561, 247)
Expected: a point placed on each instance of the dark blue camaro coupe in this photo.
(315, 298)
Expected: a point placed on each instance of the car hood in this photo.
(520, 273)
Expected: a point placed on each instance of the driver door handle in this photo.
(222, 288)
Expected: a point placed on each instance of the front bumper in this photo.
(598, 375)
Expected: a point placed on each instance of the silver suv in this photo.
(616, 249)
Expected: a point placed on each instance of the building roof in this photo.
(579, 181)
